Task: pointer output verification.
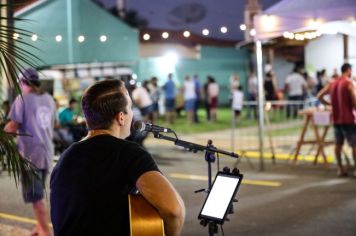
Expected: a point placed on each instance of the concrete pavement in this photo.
(305, 200)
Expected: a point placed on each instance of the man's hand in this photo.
(160, 193)
(322, 94)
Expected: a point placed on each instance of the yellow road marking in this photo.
(19, 219)
(283, 156)
(173, 175)
(244, 181)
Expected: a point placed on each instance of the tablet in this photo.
(223, 191)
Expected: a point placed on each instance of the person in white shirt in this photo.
(252, 89)
(237, 102)
(190, 98)
(142, 99)
(295, 86)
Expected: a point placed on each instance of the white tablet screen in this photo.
(220, 196)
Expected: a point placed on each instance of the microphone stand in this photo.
(210, 151)
(193, 147)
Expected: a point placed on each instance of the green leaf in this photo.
(12, 59)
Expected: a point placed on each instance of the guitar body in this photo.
(144, 218)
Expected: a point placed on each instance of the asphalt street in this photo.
(281, 200)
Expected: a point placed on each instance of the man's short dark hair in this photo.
(345, 67)
(102, 101)
(72, 100)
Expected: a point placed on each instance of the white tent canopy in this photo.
(338, 16)
(291, 16)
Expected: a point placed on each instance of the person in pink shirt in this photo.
(213, 94)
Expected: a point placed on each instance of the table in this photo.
(316, 119)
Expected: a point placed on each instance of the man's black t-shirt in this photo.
(90, 185)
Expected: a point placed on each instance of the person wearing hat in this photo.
(33, 114)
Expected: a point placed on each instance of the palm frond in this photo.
(13, 57)
(16, 164)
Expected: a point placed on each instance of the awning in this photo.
(306, 15)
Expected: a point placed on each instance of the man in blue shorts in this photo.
(169, 99)
(34, 114)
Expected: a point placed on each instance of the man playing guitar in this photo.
(93, 177)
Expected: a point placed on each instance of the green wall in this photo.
(216, 61)
(71, 18)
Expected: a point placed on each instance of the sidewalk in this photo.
(246, 141)
(8, 230)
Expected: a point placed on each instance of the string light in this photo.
(302, 36)
(286, 34)
(58, 38)
(186, 33)
(16, 36)
(81, 39)
(103, 38)
(252, 32)
(223, 29)
(205, 32)
(34, 37)
(299, 37)
(146, 36)
(165, 35)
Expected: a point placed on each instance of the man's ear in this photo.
(120, 118)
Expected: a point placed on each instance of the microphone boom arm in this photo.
(193, 146)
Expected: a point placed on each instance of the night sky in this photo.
(193, 15)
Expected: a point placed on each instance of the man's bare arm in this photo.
(352, 91)
(322, 94)
(286, 88)
(158, 191)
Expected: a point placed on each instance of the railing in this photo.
(282, 129)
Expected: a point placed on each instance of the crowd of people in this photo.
(188, 97)
(81, 182)
(298, 88)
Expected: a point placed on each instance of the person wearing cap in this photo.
(33, 114)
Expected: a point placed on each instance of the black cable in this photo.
(222, 230)
(175, 134)
(218, 161)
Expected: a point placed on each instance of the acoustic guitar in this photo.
(144, 218)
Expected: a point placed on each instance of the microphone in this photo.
(140, 126)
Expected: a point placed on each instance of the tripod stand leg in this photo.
(213, 228)
(270, 139)
(248, 160)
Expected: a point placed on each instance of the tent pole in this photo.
(260, 100)
(346, 47)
